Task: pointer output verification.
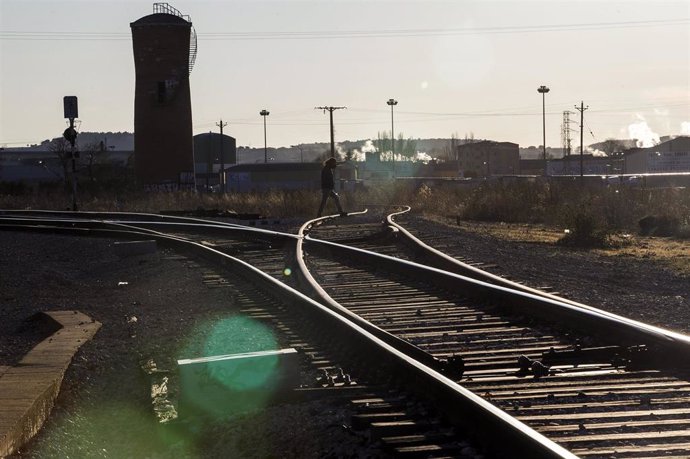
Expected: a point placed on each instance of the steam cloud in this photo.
(685, 128)
(359, 154)
(643, 134)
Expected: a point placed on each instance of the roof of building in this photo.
(488, 143)
(212, 135)
(160, 18)
(275, 167)
(587, 156)
(679, 143)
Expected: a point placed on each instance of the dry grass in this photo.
(673, 253)
(536, 213)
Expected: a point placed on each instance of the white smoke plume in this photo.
(685, 128)
(422, 156)
(341, 154)
(360, 154)
(595, 152)
(643, 134)
(368, 147)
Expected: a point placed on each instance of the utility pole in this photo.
(330, 111)
(392, 103)
(265, 113)
(209, 162)
(543, 90)
(581, 109)
(221, 125)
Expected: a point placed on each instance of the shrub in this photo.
(584, 229)
(589, 211)
(512, 202)
(663, 225)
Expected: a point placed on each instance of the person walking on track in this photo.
(328, 186)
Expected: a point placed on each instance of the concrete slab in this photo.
(28, 389)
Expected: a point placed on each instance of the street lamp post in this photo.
(392, 102)
(265, 113)
(543, 90)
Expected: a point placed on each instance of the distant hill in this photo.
(119, 141)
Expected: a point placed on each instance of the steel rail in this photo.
(489, 416)
(589, 399)
(249, 232)
(461, 406)
(547, 304)
(309, 283)
(446, 262)
(674, 347)
(95, 215)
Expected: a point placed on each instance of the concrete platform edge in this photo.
(27, 395)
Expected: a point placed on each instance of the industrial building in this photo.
(670, 156)
(208, 162)
(286, 176)
(271, 176)
(585, 165)
(487, 158)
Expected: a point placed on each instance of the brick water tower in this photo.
(164, 52)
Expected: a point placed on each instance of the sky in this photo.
(457, 67)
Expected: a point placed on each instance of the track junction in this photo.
(440, 358)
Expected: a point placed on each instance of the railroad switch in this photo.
(539, 369)
(615, 355)
(327, 379)
(530, 366)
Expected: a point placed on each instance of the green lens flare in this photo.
(117, 428)
(224, 387)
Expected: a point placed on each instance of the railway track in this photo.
(596, 396)
(600, 387)
(341, 363)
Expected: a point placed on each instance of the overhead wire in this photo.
(590, 130)
(430, 116)
(335, 34)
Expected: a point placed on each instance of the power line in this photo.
(581, 109)
(590, 131)
(330, 34)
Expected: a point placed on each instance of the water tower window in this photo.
(162, 90)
